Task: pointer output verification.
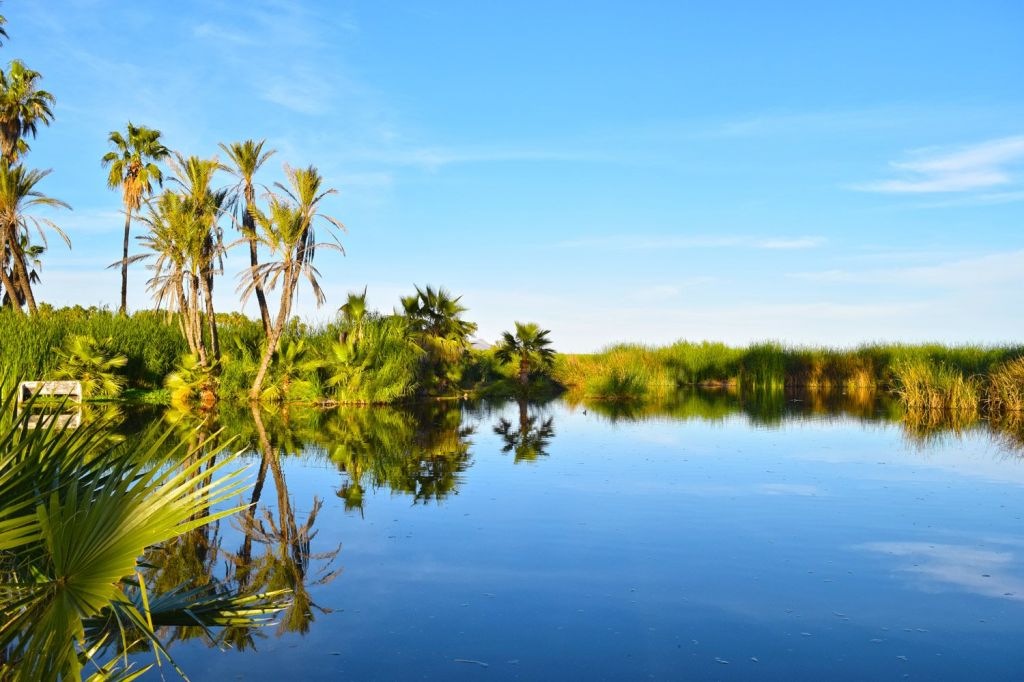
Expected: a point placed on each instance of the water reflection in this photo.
(378, 461)
(531, 439)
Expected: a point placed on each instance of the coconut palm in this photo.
(285, 230)
(78, 514)
(247, 158)
(529, 345)
(133, 170)
(18, 196)
(23, 106)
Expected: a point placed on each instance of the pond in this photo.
(773, 537)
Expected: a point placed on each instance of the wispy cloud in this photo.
(301, 91)
(222, 34)
(981, 271)
(972, 168)
(668, 292)
(647, 243)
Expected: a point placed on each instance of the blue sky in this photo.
(809, 172)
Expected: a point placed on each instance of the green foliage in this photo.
(192, 384)
(149, 342)
(529, 347)
(78, 513)
(1005, 392)
(929, 374)
(87, 360)
(378, 366)
(436, 323)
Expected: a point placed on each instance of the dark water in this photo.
(710, 539)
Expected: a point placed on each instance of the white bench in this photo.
(56, 389)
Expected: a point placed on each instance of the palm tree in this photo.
(353, 312)
(195, 176)
(133, 170)
(286, 230)
(173, 238)
(436, 320)
(18, 195)
(23, 106)
(530, 346)
(247, 158)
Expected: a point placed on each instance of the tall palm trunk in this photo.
(18, 256)
(123, 310)
(184, 318)
(250, 230)
(5, 278)
(211, 318)
(524, 369)
(275, 333)
(195, 320)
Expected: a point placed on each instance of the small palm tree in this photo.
(192, 382)
(18, 195)
(529, 345)
(133, 170)
(435, 317)
(87, 360)
(23, 106)
(247, 158)
(353, 312)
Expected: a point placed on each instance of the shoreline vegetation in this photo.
(370, 358)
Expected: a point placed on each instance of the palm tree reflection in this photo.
(531, 440)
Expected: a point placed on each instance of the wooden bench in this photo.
(72, 390)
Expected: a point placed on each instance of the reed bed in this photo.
(924, 376)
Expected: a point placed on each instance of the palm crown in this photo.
(23, 106)
(530, 345)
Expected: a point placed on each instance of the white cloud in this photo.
(965, 169)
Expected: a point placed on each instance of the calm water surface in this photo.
(708, 540)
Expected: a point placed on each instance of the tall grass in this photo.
(931, 376)
(29, 344)
(931, 386)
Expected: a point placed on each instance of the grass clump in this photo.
(936, 386)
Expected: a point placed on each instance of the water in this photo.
(709, 539)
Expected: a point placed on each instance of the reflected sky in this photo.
(578, 541)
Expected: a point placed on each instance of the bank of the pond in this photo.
(144, 358)
(925, 376)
